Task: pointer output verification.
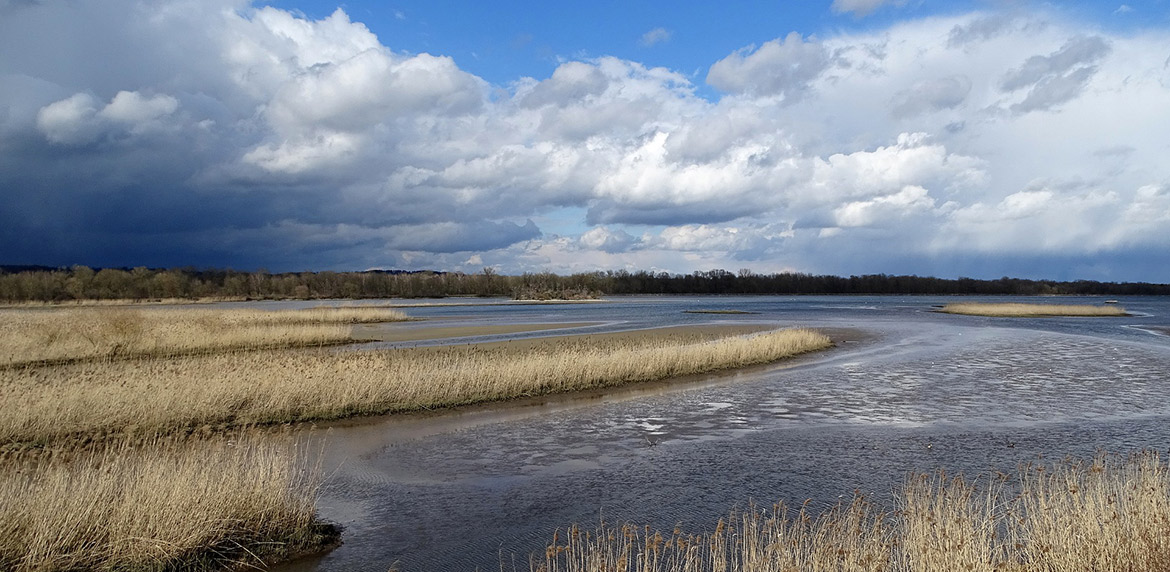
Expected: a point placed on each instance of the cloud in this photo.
(884, 209)
(779, 67)
(980, 29)
(913, 161)
(930, 95)
(861, 8)
(655, 36)
(70, 120)
(1075, 53)
(220, 133)
(77, 120)
(1058, 77)
(570, 83)
(1054, 90)
(606, 240)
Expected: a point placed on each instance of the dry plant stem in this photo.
(47, 404)
(157, 505)
(1016, 310)
(1106, 515)
(31, 336)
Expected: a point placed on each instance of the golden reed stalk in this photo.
(1015, 310)
(50, 403)
(1108, 514)
(158, 504)
(78, 334)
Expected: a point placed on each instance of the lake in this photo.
(482, 488)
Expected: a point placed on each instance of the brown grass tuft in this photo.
(1107, 515)
(1017, 310)
(162, 504)
(51, 403)
(87, 333)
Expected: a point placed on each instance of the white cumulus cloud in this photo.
(259, 136)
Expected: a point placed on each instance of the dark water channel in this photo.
(481, 489)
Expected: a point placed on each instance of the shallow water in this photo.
(483, 488)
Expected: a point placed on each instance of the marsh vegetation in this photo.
(1019, 310)
(192, 503)
(163, 395)
(135, 439)
(79, 334)
(1105, 514)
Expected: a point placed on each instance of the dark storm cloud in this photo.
(221, 133)
(224, 134)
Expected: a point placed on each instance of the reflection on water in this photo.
(472, 490)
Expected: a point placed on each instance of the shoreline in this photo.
(545, 370)
(459, 415)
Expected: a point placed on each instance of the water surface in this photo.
(483, 488)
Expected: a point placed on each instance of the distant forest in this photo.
(40, 284)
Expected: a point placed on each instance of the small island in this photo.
(1022, 310)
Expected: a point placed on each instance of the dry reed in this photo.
(1017, 310)
(1108, 514)
(30, 336)
(175, 503)
(50, 403)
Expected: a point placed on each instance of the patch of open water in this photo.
(472, 490)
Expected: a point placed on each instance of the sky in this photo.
(974, 138)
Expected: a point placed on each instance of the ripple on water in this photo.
(457, 500)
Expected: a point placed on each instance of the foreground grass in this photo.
(87, 333)
(1017, 310)
(1104, 515)
(49, 404)
(163, 504)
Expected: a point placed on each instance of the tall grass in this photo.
(1104, 515)
(166, 504)
(1017, 310)
(50, 403)
(30, 336)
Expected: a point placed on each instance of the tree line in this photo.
(22, 284)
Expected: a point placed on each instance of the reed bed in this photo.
(50, 403)
(89, 333)
(1018, 310)
(1106, 514)
(162, 504)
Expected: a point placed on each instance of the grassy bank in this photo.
(30, 336)
(1105, 515)
(97, 471)
(1017, 310)
(57, 402)
(162, 504)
